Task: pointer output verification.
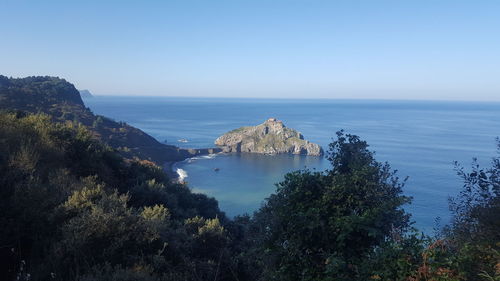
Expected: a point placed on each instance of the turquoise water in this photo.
(419, 139)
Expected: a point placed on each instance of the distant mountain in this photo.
(62, 101)
(85, 94)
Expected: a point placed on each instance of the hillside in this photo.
(70, 207)
(61, 100)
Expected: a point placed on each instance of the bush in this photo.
(320, 226)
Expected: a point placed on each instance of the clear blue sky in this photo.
(301, 49)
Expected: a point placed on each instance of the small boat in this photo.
(216, 169)
(182, 140)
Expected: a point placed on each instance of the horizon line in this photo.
(296, 98)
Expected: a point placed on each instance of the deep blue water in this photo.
(419, 139)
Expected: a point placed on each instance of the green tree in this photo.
(474, 233)
(71, 208)
(327, 225)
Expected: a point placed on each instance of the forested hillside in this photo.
(61, 100)
(73, 208)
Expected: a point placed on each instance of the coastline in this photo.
(168, 169)
(169, 166)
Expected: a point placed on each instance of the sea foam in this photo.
(209, 156)
(182, 174)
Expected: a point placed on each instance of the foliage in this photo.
(476, 209)
(324, 225)
(73, 209)
(468, 249)
(61, 101)
(475, 228)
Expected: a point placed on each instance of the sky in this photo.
(354, 49)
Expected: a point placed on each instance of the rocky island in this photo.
(270, 137)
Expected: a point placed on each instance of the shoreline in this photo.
(168, 167)
(171, 171)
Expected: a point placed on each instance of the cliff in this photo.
(62, 102)
(270, 137)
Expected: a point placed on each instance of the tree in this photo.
(326, 225)
(474, 233)
(475, 210)
(71, 208)
(468, 248)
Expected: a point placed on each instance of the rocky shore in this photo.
(270, 137)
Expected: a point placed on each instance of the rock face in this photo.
(270, 137)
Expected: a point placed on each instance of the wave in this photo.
(209, 156)
(182, 174)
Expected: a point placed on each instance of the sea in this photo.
(420, 139)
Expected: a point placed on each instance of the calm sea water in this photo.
(419, 139)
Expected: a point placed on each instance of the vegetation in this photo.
(73, 208)
(62, 102)
(320, 225)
